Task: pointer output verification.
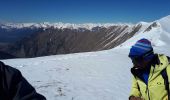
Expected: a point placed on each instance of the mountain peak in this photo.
(165, 23)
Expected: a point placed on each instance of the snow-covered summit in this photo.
(165, 23)
(24, 25)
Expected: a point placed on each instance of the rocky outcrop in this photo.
(154, 24)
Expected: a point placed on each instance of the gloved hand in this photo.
(135, 98)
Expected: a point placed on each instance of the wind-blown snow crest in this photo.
(165, 23)
(159, 35)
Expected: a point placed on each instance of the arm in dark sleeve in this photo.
(24, 90)
(18, 87)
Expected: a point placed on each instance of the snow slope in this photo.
(93, 76)
(159, 36)
(103, 75)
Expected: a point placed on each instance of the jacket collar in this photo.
(159, 62)
(138, 72)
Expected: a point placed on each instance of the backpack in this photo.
(166, 81)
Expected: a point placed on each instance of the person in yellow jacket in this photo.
(148, 83)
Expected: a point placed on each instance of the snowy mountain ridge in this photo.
(158, 34)
(66, 39)
(60, 25)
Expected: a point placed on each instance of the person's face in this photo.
(140, 63)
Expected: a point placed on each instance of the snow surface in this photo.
(93, 76)
(102, 75)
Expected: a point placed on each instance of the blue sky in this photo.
(83, 11)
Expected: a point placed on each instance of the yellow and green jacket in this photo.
(155, 89)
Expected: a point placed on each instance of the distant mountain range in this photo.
(34, 40)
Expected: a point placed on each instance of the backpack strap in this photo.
(165, 77)
(166, 82)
